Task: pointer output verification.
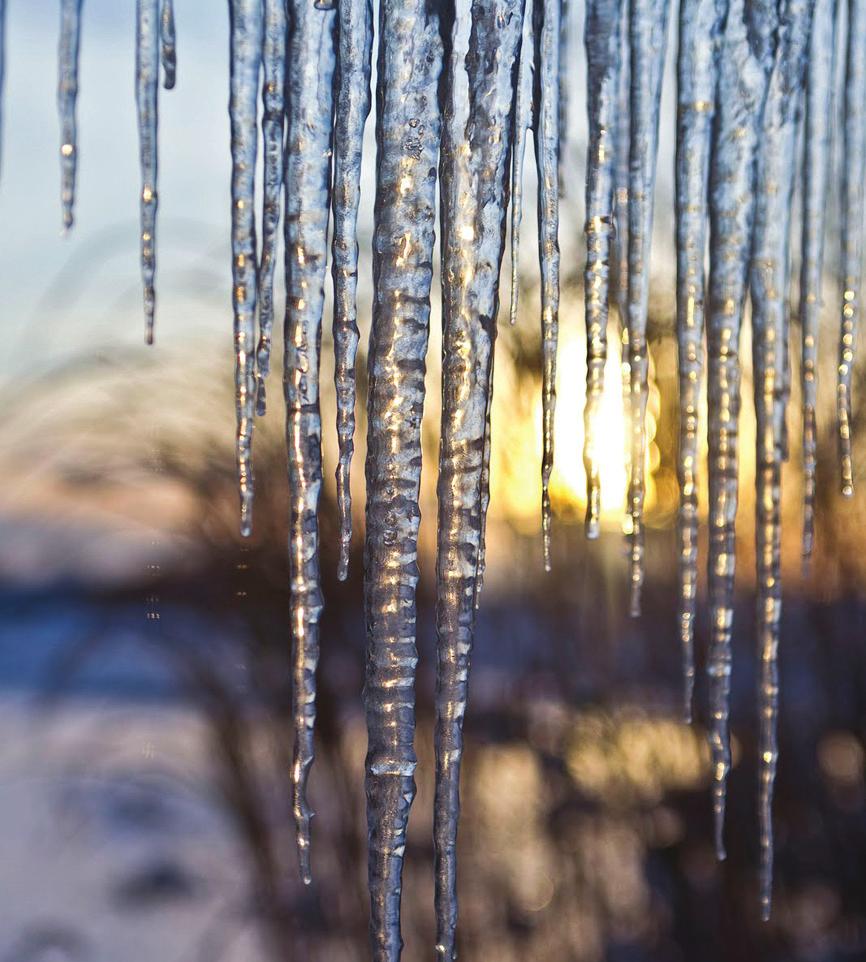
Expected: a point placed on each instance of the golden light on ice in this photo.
(569, 477)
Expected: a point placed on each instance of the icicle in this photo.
(485, 491)
(169, 44)
(2, 69)
(407, 134)
(355, 43)
(853, 175)
(769, 285)
(273, 124)
(564, 93)
(523, 114)
(818, 134)
(620, 232)
(67, 95)
(475, 152)
(700, 22)
(603, 51)
(307, 177)
(648, 23)
(246, 54)
(146, 84)
(739, 101)
(546, 136)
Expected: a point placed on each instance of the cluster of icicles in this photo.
(459, 86)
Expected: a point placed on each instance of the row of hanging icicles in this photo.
(749, 73)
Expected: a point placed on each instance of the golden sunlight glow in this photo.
(569, 477)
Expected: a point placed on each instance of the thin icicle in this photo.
(485, 491)
(273, 125)
(742, 84)
(603, 52)
(648, 26)
(853, 205)
(2, 70)
(700, 22)
(821, 71)
(355, 46)
(307, 177)
(168, 44)
(546, 136)
(67, 96)
(620, 232)
(475, 152)
(147, 34)
(768, 278)
(523, 114)
(407, 134)
(246, 59)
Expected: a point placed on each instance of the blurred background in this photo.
(144, 686)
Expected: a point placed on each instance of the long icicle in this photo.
(620, 232)
(853, 206)
(2, 70)
(821, 71)
(768, 278)
(246, 59)
(546, 135)
(648, 26)
(168, 45)
(147, 38)
(740, 96)
(697, 66)
(273, 127)
(307, 177)
(476, 143)
(603, 52)
(523, 114)
(67, 96)
(407, 135)
(354, 54)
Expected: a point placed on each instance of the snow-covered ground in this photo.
(111, 847)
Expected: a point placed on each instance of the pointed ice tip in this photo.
(766, 908)
(592, 528)
(847, 489)
(343, 565)
(148, 334)
(246, 528)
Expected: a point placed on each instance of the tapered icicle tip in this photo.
(343, 563)
(592, 525)
(246, 524)
(720, 794)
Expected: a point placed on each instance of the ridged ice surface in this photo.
(407, 136)
(648, 24)
(273, 130)
(774, 185)
(354, 55)
(246, 59)
(547, 143)
(67, 97)
(307, 176)
(604, 55)
(816, 169)
(853, 207)
(699, 36)
(743, 75)
(476, 139)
